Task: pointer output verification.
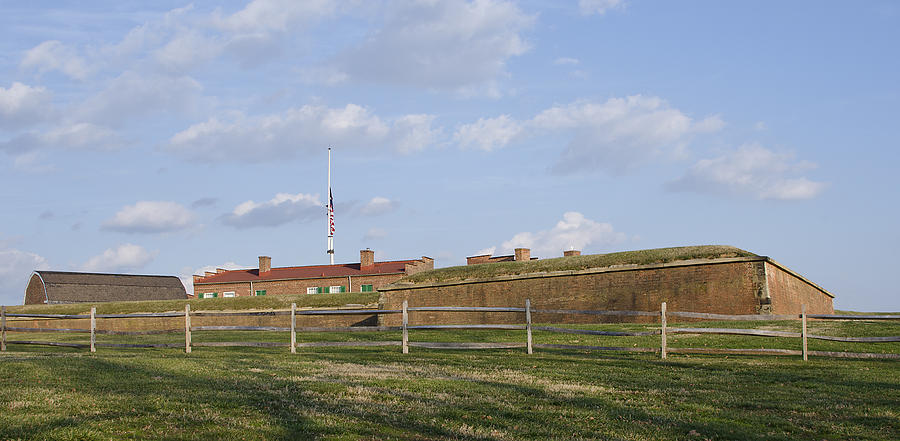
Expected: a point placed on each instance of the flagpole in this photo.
(330, 211)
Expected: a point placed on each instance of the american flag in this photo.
(330, 212)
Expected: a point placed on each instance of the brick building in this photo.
(367, 275)
(713, 279)
(520, 254)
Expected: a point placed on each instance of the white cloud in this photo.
(76, 136)
(378, 205)
(281, 209)
(133, 94)
(261, 16)
(125, 257)
(599, 7)
(574, 231)
(751, 170)
(621, 133)
(375, 234)
(441, 44)
(15, 268)
(33, 162)
(151, 217)
(187, 274)
(486, 251)
(615, 135)
(186, 50)
(412, 133)
(566, 61)
(300, 130)
(22, 105)
(53, 55)
(488, 133)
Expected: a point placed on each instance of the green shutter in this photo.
(215, 294)
(320, 290)
(366, 288)
(343, 288)
(260, 292)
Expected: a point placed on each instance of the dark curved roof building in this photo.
(51, 287)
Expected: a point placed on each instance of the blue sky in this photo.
(172, 138)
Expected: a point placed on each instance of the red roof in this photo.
(308, 272)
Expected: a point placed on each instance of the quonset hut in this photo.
(711, 279)
(51, 287)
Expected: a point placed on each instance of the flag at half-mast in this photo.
(330, 213)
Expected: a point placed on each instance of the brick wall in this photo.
(726, 286)
(789, 290)
(34, 292)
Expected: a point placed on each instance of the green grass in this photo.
(233, 303)
(574, 263)
(378, 393)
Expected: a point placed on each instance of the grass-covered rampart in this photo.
(575, 263)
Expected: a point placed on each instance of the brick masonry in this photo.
(726, 286)
(34, 292)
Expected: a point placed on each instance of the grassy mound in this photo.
(574, 263)
(217, 304)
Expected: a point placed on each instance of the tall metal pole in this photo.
(330, 213)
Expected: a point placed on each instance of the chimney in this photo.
(569, 253)
(265, 264)
(207, 274)
(220, 270)
(197, 278)
(523, 254)
(366, 259)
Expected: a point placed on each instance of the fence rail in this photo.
(663, 331)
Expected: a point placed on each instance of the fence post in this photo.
(3, 328)
(93, 327)
(405, 324)
(528, 323)
(187, 328)
(662, 328)
(293, 328)
(803, 332)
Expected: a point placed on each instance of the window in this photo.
(336, 289)
(313, 290)
(365, 288)
(228, 294)
(207, 295)
(260, 292)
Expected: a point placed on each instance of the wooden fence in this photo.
(664, 330)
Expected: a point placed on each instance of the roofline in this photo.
(295, 278)
(328, 265)
(105, 274)
(491, 256)
(632, 267)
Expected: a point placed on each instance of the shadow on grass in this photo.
(238, 393)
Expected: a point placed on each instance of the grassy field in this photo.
(574, 263)
(378, 393)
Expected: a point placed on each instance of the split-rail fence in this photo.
(528, 344)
